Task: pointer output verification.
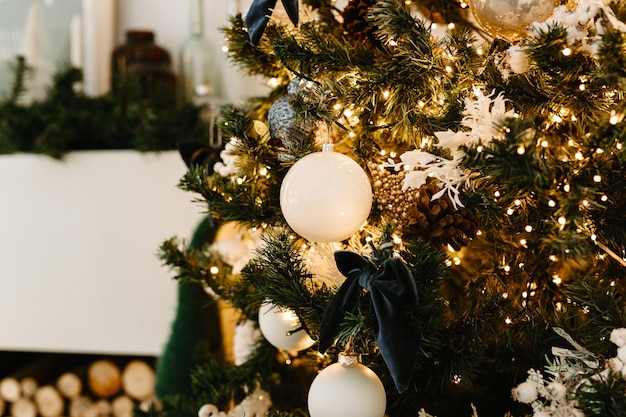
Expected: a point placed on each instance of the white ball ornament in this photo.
(326, 196)
(510, 18)
(276, 324)
(347, 389)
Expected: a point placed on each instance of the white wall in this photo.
(79, 238)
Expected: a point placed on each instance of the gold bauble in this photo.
(510, 18)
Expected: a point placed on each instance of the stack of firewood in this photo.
(101, 388)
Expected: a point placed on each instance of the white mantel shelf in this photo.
(79, 238)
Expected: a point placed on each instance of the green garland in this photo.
(68, 120)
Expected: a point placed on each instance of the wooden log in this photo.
(104, 378)
(29, 385)
(123, 406)
(10, 389)
(152, 403)
(82, 407)
(103, 408)
(23, 407)
(49, 401)
(138, 380)
(70, 385)
(44, 368)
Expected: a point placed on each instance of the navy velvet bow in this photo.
(391, 287)
(260, 12)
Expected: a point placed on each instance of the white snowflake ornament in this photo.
(246, 337)
(257, 404)
(526, 392)
(621, 353)
(614, 364)
(228, 166)
(556, 391)
(517, 59)
(320, 261)
(618, 337)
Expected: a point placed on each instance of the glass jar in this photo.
(199, 73)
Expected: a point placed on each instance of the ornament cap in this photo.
(328, 147)
(348, 359)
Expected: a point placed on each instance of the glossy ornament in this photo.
(510, 18)
(277, 323)
(346, 389)
(326, 197)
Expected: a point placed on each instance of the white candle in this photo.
(34, 42)
(76, 42)
(32, 38)
(99, 41)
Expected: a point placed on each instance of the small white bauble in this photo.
(276, 322)
(510, 18)
(347, 389)
(326, 197)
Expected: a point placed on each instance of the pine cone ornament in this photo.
(438, 220)
(355, 24)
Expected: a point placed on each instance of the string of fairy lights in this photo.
(571, 153)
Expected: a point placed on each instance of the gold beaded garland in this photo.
(415, 214)
(391, 200)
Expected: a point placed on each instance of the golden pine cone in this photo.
(438, 220)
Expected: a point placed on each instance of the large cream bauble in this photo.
(347, 389)
(326, 197)
(510, 18)
(276, 323)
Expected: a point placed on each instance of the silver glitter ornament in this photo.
(287, 128)
(282, 118)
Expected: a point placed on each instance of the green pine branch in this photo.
(66, 120)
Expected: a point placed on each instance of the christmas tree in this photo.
(430, 205)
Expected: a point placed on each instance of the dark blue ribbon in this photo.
(259, 15)
(391, 287)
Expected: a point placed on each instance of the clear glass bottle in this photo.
(199, 79)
